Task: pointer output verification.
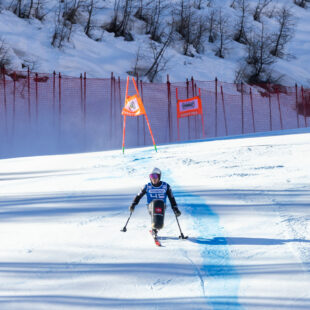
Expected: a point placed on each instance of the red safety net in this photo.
(51, 113)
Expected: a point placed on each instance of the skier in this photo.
(157, 192)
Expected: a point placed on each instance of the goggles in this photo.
(154, 176)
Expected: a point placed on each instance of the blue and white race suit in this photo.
(160, 191)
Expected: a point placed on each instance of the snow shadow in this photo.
(27, 207)
(231, 198)
(244, 241)
(65, 302)
(46, 270)
(18, 176)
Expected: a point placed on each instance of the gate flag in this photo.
(189, 107)
(134, 107)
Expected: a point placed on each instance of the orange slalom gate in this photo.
(189, 107)
(134, 107)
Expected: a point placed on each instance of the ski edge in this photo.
(157, 242)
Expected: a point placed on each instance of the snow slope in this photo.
(30, 44)
(244, 204)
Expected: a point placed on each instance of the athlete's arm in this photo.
(139, 196)
(171, 197)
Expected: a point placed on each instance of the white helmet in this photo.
(156, 171)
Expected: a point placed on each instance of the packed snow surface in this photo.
(245, 208)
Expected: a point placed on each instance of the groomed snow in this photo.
(245, 207)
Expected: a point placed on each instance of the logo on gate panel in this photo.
(189, 105)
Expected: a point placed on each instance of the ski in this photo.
(157, 242)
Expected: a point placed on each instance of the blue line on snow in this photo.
(220, 279)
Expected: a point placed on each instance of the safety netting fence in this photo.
(52, 113)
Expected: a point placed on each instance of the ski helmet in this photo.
(156, 171)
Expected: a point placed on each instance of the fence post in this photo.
(270, 112)
(14, 94)
(193, 94)
(296, 103)
(36, 84)
(120, 101)
(54, 88)
(224, 111)
(14, 102)
(59, 95)
(115, 107)
(28, 86)
(169, 107)
(252, 108)
(178, 121)
(242, 103)
(144, 120)
(138, 118)
(280, 113)
(188, 122)
(4, 98)
(187, 83)
(4, 87)
(193, 88)
(216, 106)
(85, 97)
(81, 92)
(304, 104)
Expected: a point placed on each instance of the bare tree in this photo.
(259, 59)
(285, 32)
(198, 4)
(17, 7)
(193, 27)
(183, 22)
(210, 3)
(211, 25)
(222, 26)
(90, 10)
(200, 30)
(39, 10)
(121, 17)
(301, 3)
(233, 4)
(241, 33)
(28, 9)
(271, 12)
(5, 60)
(61, 28)
(72, 10)
(91, 7)
(152, 16)
(158, 61)
(137, 69)
(261, 5)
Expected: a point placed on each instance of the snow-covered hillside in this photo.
(245, 207)
(28, 43)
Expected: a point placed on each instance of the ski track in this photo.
(198, 271)
(208, 224)
(216, 275)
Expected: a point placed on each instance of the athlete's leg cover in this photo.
(157, 212)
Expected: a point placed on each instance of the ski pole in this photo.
(125, 229)
(181, 236)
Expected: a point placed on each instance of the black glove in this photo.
(132, 208)
(176, 211)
